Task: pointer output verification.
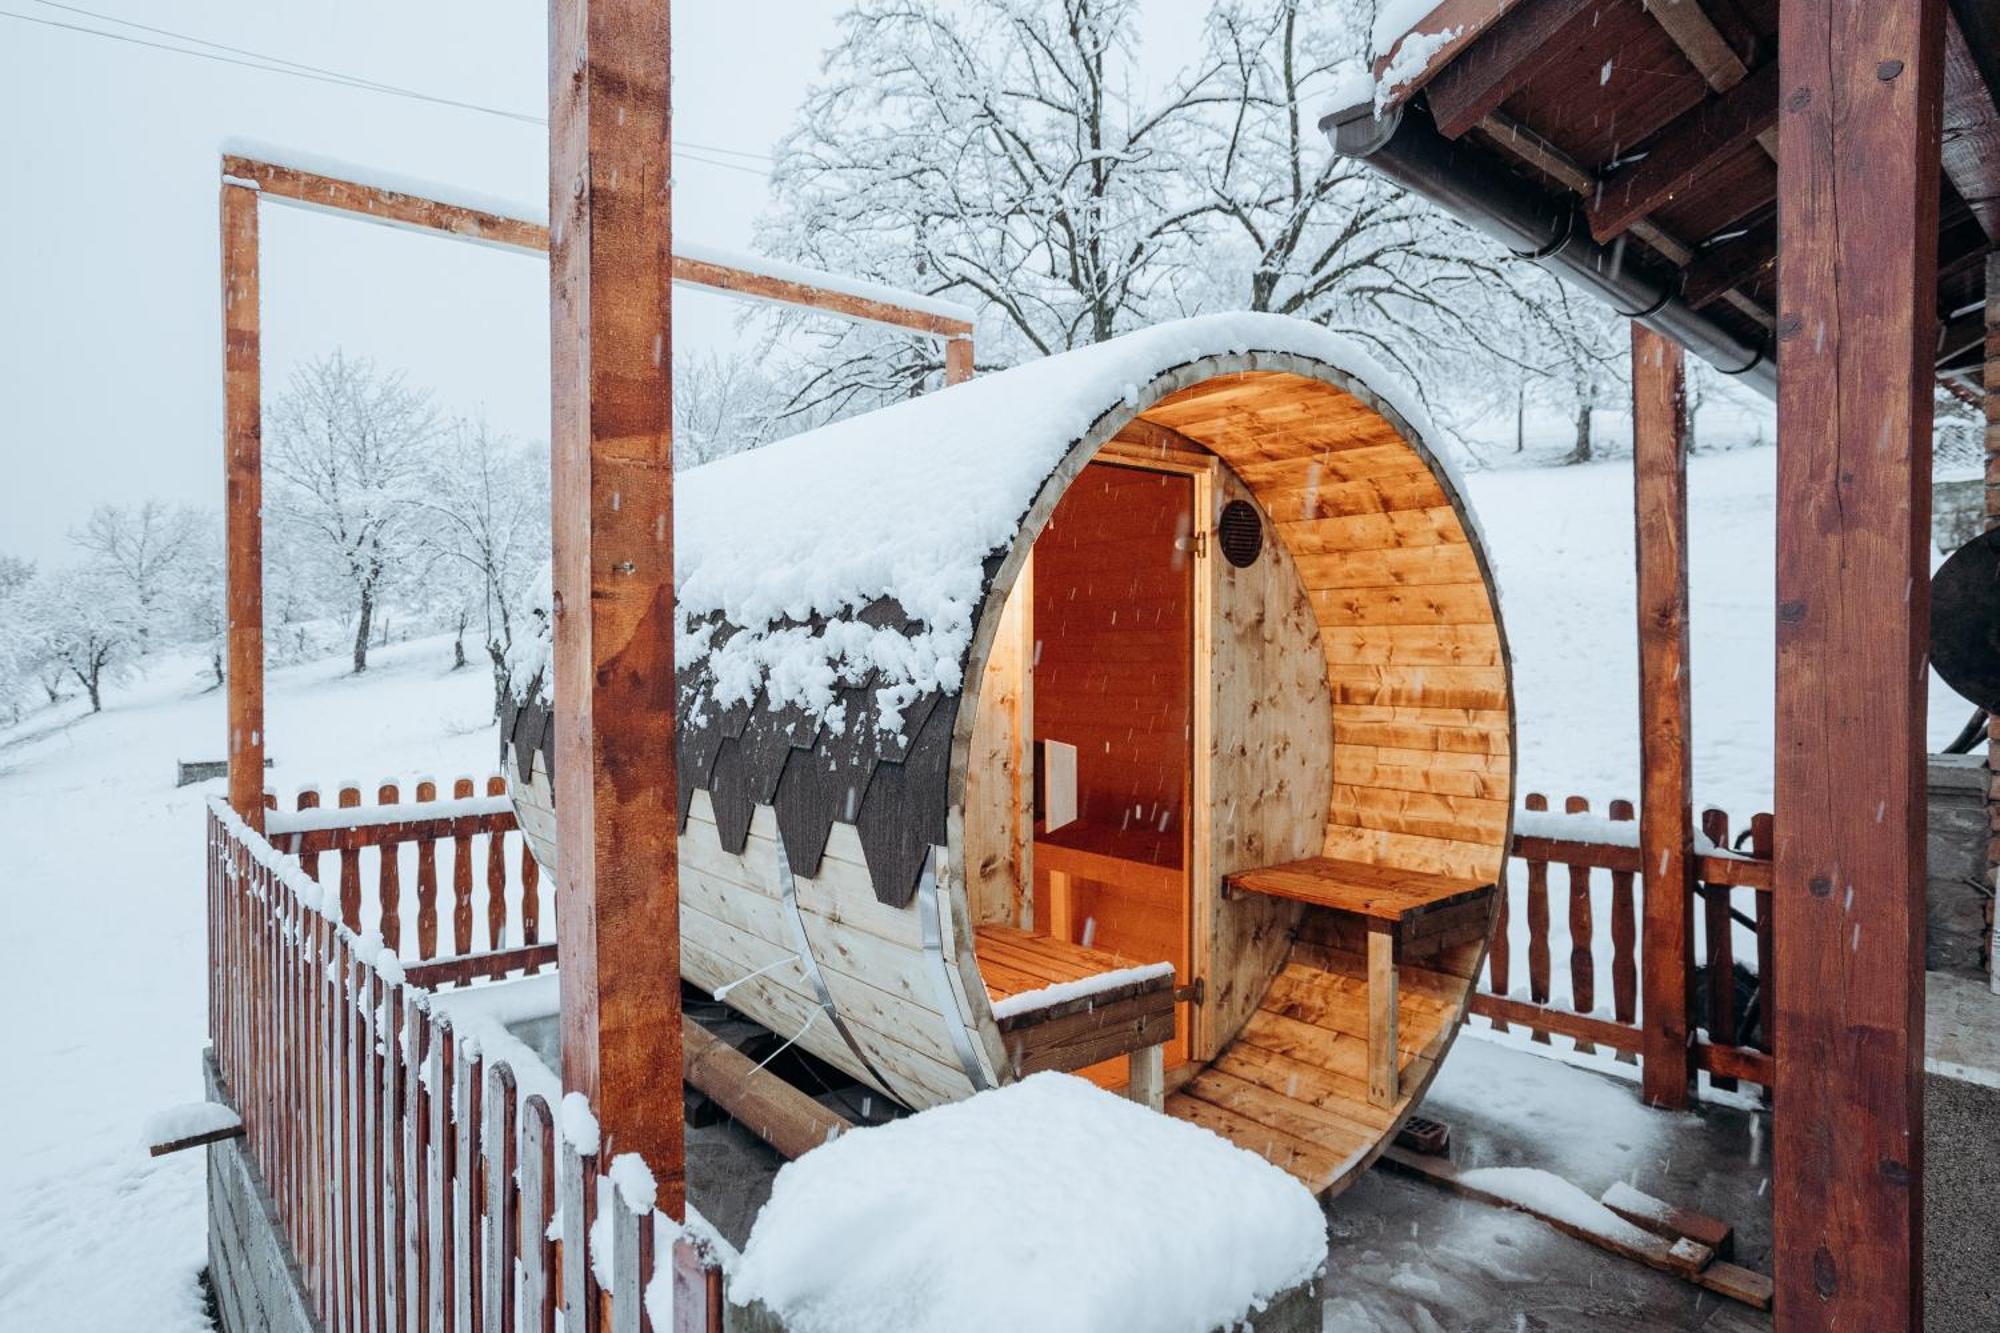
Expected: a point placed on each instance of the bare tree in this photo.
(145, 548)
(722, 405)
(1003, 153)
(486, 529)
(87, 626)
(348, 449)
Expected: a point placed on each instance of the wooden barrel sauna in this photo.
(1143, 711)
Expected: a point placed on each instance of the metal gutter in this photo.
(1405, 146)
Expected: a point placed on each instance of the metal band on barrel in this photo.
(930, 913)
(789, 889)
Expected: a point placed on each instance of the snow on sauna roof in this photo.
(829, 584)
(1047, 1204)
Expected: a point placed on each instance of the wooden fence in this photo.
(1718, 1007)
(417, 1184)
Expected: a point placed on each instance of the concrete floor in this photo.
(1404, 1254)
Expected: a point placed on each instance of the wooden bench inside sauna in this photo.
(1142, 712)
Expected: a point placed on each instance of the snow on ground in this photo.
(102, 963)
(1128, 1220)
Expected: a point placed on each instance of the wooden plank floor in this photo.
(1293, 1086)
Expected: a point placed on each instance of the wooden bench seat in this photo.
(1407, 912)
(1133, 1018)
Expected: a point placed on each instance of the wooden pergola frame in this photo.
(611, 273)
(247, 181)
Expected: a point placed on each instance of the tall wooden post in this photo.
(610, 273)
(1858, 170)
(1666, 814)
(1993, 521)
(243, 502)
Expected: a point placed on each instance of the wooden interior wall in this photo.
(1272, 765)
(1413, 650)
(1113, 669)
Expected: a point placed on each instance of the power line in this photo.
(242, 57)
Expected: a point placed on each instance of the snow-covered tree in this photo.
(18, 648)
(195, 611)
(1004, 152)
(86, 626)
(722, 405)
(486, 530)
(145, 548)
(347, 451)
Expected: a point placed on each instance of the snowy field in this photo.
(103, 962)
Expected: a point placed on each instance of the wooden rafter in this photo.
(1714, 56)
(1507, 57)
(1737, 263)
(1685, 152)
(1971, 145)
(314, 190)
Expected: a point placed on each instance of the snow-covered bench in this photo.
(1065, 1007)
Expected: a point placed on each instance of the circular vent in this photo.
(1240, 533)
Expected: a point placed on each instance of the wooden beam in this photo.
(958, 360)
(243, 501)
(1666, 807)
(1463, 20)
(1721, 61)
(611, 349)
(755, 1098)
(1991, 404)
(1858, 208)
(1685, 152)
(314, 190)
(1734, 263)
(1507, 56)
(1971, 145)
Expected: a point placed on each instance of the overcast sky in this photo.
(109, 331)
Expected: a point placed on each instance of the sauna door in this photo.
(1114, 677)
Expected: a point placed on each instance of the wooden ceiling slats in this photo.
(1749, 258)
(1971, 150)
(1507, 56)
(1739, 185)
(1686, 152)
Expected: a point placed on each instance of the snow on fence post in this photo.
(538, 1194)
(501, 1237)
(461, 873)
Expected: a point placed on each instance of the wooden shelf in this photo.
(1375, 892)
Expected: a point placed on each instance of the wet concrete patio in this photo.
(1403, 1253)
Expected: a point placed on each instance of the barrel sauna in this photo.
(1143, 711)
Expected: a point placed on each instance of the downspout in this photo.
(1404, 146)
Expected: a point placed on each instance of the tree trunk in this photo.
(498, 653)
(1581, 452)
(361, 625)
(458, 644)
(215, 664)
(1521, 418)
(92, 682)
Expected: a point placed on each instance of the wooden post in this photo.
(610, 270)
(243, 501)
(1992, 386)
(1384, 1069)
(958, 359)
(1666, 807)
(1858, 132)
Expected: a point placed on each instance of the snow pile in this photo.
(1062, 991)
(1049, 1204)
(1544, 1192)
(1413, 56)
(176, 1124)
(579, 1124)
(788, 543)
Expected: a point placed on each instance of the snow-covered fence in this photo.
(420, 1181)
(1605, 934)
(383, 860)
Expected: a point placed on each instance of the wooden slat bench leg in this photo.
(1147, 1079)
(1383, 1080)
